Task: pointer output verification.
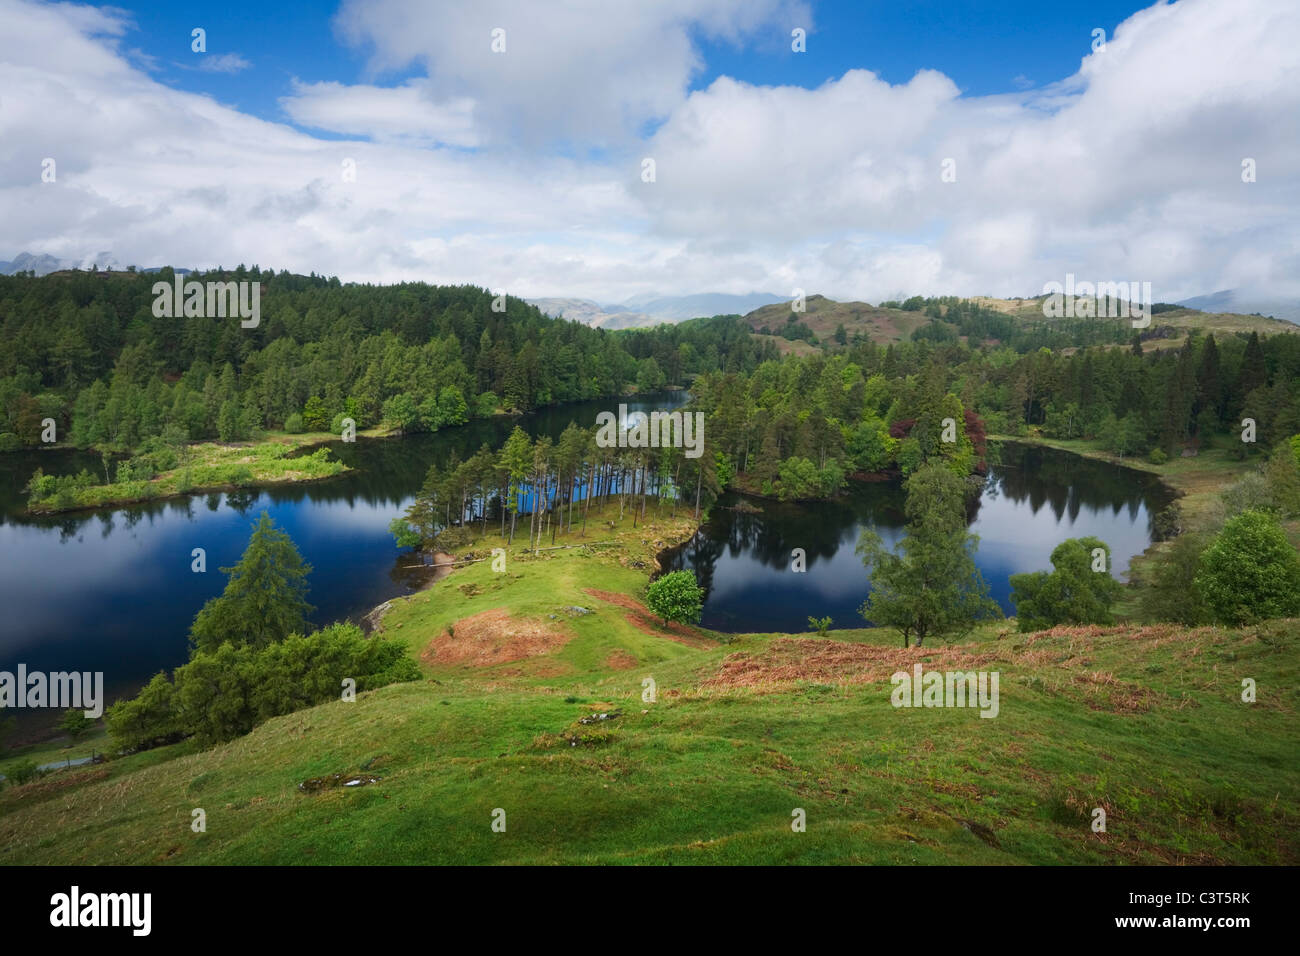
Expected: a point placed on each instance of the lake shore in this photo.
(1194, 483)
(210, 467)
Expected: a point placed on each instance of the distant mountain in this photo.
(590, 313)
(679, 307)
(44, 264)
(1243, 303)
(646, 310)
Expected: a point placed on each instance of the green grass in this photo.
(61, 748)
(212, 467)
(1146, 723)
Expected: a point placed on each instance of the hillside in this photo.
(1183, 319)
(532, 703)
(886, 326)
(824, 315)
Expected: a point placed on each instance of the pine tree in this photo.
(1252, 374)
(1209, 388)
(265, 599)
(516, 460)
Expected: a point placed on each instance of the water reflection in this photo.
(112, 590)
(1034, 499)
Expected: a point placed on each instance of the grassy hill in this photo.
(1146, 723)
(1181, 319)
(890, 325)
(824, 315)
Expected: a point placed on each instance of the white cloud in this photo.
(222, 63)
(1130, 169)
(583, 71)
(407, 113)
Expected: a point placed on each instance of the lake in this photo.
(1031, 502)
(112, 590)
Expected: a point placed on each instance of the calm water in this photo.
(112, 590)
(1031, 502)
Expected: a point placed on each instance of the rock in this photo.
(374, 619)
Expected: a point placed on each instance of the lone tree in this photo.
(931, 587)
(676, 597)
(265, 599)
(1250, 572)
(1079, 590)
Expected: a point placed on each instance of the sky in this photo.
(954, 148)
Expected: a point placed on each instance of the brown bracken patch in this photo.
(644, 621)
(787, 660)
(620, 661)
(56, 781)
(494, 637)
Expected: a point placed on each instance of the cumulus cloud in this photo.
(585, 71)
(405, 113)
(1130, 168)
(1132, 164)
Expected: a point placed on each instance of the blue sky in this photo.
(933, 148)
(986, 48)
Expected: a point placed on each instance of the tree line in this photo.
(554, 483)
(85, 350)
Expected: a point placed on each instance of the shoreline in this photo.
(252, 451)
(315, 440)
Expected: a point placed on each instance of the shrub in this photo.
(1250, 572)
(1170, 595)
(1073, 593)
(226, 693)
(24, 771)
(75, 723)
(1249, 493)
(1157, 456)
(146, 720)
(676, 597)
(10, 442)
(293, 424)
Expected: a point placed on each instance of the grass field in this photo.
(1147, 724)
(212, 466)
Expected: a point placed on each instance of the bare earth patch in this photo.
(494, 637)
(644, 621)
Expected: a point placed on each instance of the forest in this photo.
(85, 350)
